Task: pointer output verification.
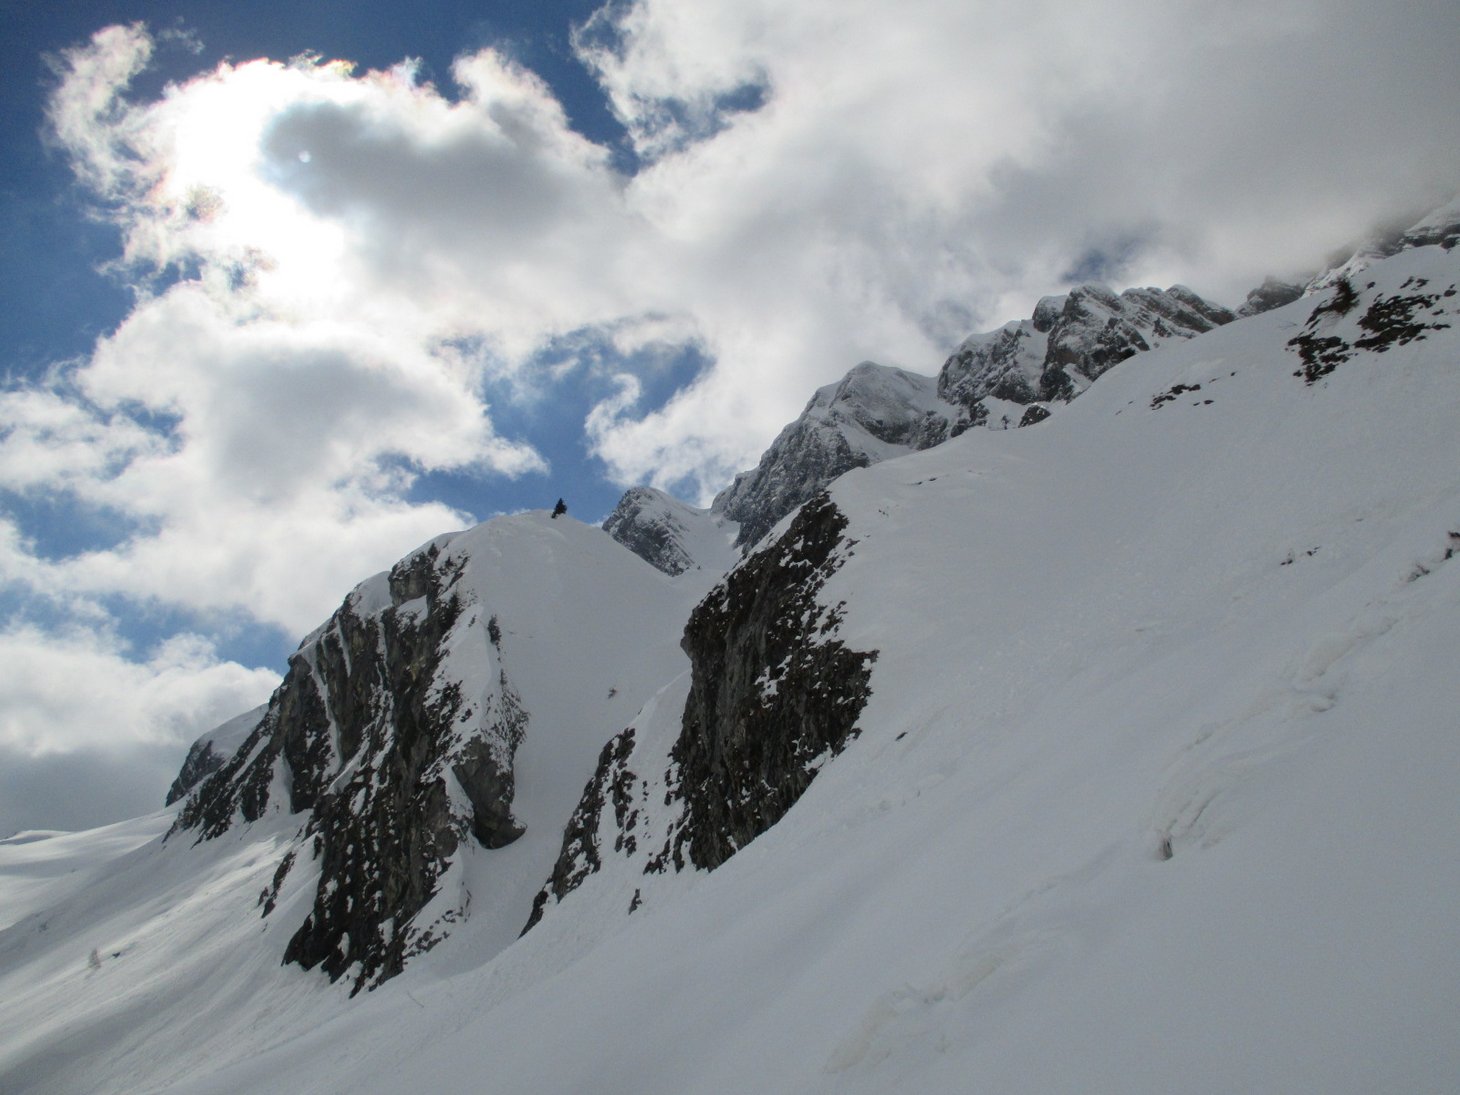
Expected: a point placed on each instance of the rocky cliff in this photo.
(773, 694)
(1068, 343)
(393, 764)
(873, 413)
(388, 756)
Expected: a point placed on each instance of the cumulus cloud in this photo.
(84, 683)
(915, 171)
(89, 733)
(340, 272)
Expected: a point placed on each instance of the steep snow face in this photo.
(1068, 342)
(395, 736)
(872, 414)
(670, 535)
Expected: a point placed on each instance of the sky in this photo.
(291, 288)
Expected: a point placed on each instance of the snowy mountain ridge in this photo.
(1106, 736)
(1013, 376)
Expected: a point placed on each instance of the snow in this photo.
(1155, 791)
(580, 617)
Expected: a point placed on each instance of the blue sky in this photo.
(271, 321)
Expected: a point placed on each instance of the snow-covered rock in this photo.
(670, 535)
(872, 414)
(1069, 341)
(1005, 378)
(394, 738)
(211, 750)
(773, 695)
(1148, 787)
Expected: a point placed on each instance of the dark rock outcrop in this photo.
(1336, 330)
(774, 694)
(613, 785)
(392, 768)
(200, 762)
(213, 750)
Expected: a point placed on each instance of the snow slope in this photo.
(587, 632)
(1154, 791)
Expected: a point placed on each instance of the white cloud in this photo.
(90, 734)
(934, 165)
(79, 690)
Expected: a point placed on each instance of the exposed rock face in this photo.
(392, 765)
(614, 785)
(774, 694)
(201, 761)
(1272, 293)
(211, 751)
(668, 534)
(873, 413)
(1068, 343)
